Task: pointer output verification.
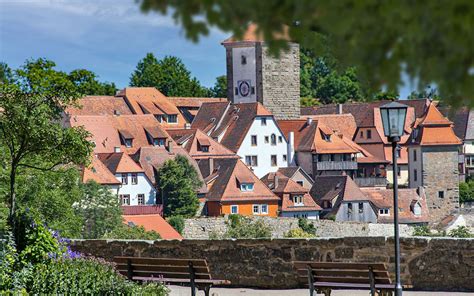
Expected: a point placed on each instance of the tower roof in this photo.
(253, 34)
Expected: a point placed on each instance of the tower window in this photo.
(236, 91)
(264, 121)
(273, 159)
(415, 175)
(369, 134)
(441, 194)
(252, 90)
(414, 155)
(243, 60)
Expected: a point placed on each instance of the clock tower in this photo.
(254, 75)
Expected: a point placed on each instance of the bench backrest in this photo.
(162, 267)
(338, 272)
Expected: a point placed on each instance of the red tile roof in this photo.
(342, 123)
(119, 163)
(191, 102)
(309, 204)
(252, 34)
(100, 105)
(99, 173)
(154, 222)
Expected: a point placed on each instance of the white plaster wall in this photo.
(403, 179)
(244, 72)
(469, 147)
(264, 150)
(311, 215)
(143, 186)
(415, 165)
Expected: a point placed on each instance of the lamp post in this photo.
(393, 120)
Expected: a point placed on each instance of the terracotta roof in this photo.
(156, 132)
(383, 198)
(225, 185)
(340, 187)
(153, 222)
(100, 105)
(192, 139)
(152, 159)
(315, 137)
(288, 205)
(106, 130)
(252, 34)
(119, 163)
(191, 102)
(343, 123)
(231, 121)
(99, 173)
(434, 129)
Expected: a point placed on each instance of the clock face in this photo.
(244, 88)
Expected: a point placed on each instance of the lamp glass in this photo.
(393, 119)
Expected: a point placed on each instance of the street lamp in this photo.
(393, 120)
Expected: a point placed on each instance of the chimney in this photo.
(309, 120)
(187, 126)
(291, 149)
(117, 149)
(339, 108)
(170, 146)
(211, 166)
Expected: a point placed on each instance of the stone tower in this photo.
(433, 163)
(253, 75)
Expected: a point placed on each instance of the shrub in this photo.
(306, 226)
(243, 227)
(132, 232)
(298, 233)
(177, 222)
(466, 191)
(460, 231)
(422, 231)
(8, 258)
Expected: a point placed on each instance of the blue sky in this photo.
(105, 36)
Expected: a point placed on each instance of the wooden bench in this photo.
(322, 277)
(194, 272)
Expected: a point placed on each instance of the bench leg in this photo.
(325, 291)
(207, 290)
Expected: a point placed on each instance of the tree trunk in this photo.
(12, 191)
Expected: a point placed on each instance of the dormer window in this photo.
(415, 207)
(172, 118)
(246, 187)
(126, 138)
(326, 138)
(384, 212)
(159, 142)
(155, 136)
(298, 200)
(204, 144)
(159, 117)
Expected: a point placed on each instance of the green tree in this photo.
(123, 231)
(30, 131)
(466, 191)
(87, 84)
(219, 90)
(427, 93)
(177, 222)
(6, 73)
(169, 75)
(380, 38)
(386, 95)
(99, 209)
(244, 227)
(178, 182)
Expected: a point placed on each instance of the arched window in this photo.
(273, 139)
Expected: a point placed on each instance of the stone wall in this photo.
(201, 228)
(441, 264)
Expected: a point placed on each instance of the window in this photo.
(125, 199)
(414, 155)
(369, 134)
(349, 208)
(284, 157)
(361, 207)
(253, 140)
(173, 118)
(243, 60)
(256, 209)
(134, 179)
(274, 140)
(252, 90)
(264, 209)
(141, 199)
(128, 143)
(234, 209)
(398, 153)
(384, 212)
(273, 160)
(267, 139)
(251, 160)
(205, 148)
(300, 183)
(158, 142)
(159, 118)
(236, 91)
(298, 200)
(441, 194)
(362, 134)
(246, 187)
(415, 175)
(264, 121)
(399, 171)
(124, 179)
(280, 139)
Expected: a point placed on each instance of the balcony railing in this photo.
(371, 181)
(142, 210)
(336, 165)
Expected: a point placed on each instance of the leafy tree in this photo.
(308, 102)
(386, 95)
(123, 231)
(380, 38)
(177, 222)
(178, 182)
(6, 73)
(100, 210)
(427, 93)
(219, 90)
(168, 75)
(244, 227)
(306, 226)
(466, 191)
(87, 84)
(31, 135)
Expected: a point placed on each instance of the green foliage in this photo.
(219, 90)
(87, 84)
(427, 93)
(6, 73)
(466, 191)
(99, 209)
(308, 102)
(244, 227)
(178, 182)
(40, 244)
(386, 95)
(8, 259)
(298, 233)
(169, 75)
(123, 231)
(177, 222)
(461, 231)
(380, 38)
(422, 231)
(306, 226)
